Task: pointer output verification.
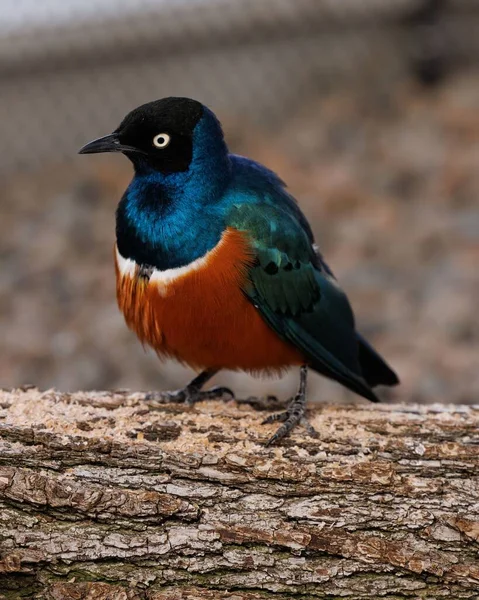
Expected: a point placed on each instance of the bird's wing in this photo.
(296, 296)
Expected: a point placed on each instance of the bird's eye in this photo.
(161, 140)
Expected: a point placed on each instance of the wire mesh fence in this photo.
(71, 69)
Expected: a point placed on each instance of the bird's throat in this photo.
(164, 230)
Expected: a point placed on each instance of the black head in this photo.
(159, 134)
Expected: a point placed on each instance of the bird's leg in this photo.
(294, 414)
(192, 392)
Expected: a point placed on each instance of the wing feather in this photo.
(296, 297)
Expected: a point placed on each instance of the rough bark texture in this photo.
(101, 498)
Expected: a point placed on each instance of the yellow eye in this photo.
(161, 140)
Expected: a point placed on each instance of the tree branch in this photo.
(104, 497)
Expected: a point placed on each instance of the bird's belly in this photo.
(198, 313)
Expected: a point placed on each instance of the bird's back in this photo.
(325, 329)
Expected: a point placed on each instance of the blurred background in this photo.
(368, 109)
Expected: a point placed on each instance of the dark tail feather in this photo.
(374, 368)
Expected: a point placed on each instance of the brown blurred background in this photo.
(368, 109)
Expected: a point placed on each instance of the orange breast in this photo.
(200, 315)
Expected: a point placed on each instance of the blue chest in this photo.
(166, 230)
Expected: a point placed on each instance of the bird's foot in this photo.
(190, 395)
(263, 402)
(296, 413)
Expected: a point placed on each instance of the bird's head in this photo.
(165, 135)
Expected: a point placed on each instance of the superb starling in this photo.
(216, 265)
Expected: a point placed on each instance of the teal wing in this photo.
(298, 298)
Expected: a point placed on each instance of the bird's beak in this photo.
(107, 143)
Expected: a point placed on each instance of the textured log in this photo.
(102, 498)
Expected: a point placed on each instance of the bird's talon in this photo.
(261, 402)
(276, 417)
(290, 420)
(223, 393)
(166, 397)
(216, 393)
(271, 440)
(294, 414)
(310, 430)
(190, 395)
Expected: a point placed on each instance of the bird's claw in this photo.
(296, 413)
(216, 393)
(281, 417)
(190, 395)
(165, 397)
(262, 403)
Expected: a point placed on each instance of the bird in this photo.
(217, 266)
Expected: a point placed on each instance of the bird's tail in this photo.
(374, 368)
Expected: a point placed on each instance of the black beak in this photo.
(107, 143)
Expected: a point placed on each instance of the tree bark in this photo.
(104, 497)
